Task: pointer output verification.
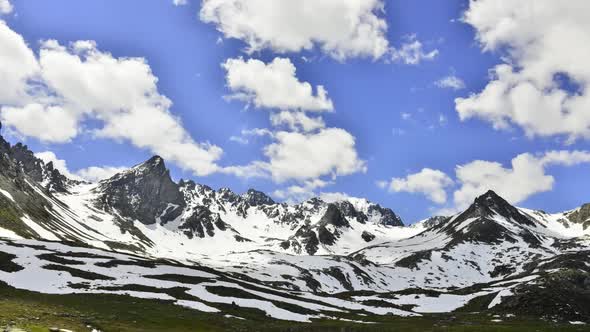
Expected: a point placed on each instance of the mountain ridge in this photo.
(491, 250)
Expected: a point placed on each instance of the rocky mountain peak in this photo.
(490, 198)
(491, 203)
(257, 198)
(228, 195)
(154, 165)
(144, 192)
(31, 165)
(388, 217)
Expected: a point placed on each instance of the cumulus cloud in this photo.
(302, 149)
(339, 28)
(527, 175)
(432, 183)
(450, 82)
(180, 2)
(543, 85)
(5, 7)
(273, 85)
(18, 64)
(53, 96)
(91, 174)
(300, 156)
(306, 156)
(47, 123)
(412, 52)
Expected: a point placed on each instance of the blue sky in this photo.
(401, 119)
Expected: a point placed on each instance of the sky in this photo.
(419, 106)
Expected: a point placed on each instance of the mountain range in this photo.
(142, 234)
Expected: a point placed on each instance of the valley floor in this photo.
(83, 289)
(38, 312)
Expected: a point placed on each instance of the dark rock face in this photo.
(389, 218)
(411, 261)
(257, 198)
(368, 236)
(326, 237)
(143, 193)
(31, 165)
(227, 195)
(581, 216)
(24, 159)
(57, 181)
(349, 211)
(202, 222)
(308, 238)
(435, 221)
(562, 292)
(334, 217)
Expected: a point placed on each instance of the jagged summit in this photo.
(145, 192)
(256, 198)
(154, 165)
(491, 204)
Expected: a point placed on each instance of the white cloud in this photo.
(306, 156)
(91, 174)
(5, 7)
(450, 82)
(429, 182)
(297, 121)
(547, 42)
(302, 149)
(526, 176)
(17, 65)
(51, 98)
(47, 123)
(331, 151)
(180, 2)
(412, 52)
(340, 28)
(273, 85)
(515, 184)
(97, 173)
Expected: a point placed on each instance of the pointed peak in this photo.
(154, 164)
(155, 160)
(492, 200)
(255, 198)
(489, 195)
(490, 204)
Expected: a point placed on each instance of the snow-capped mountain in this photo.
(492, 250)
